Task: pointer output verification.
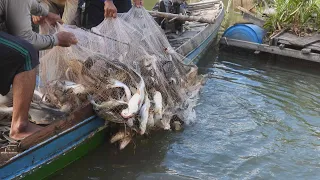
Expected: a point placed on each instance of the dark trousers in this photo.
(17, 56)
(94, 11)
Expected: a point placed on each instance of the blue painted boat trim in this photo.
(194, 55)
(50, 149)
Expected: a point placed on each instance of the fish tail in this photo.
(124, 142)
(120, 135)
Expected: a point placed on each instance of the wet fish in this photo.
(76, 88)
(135, 102)
(133, 106)
(124, 142)
(157, 99)
(110, 116)
(141, 90)
(120, 84)
(66, 94)
(177, 126)
(138, 78)
(150, 122)
(42, 114)
(118, 136)
(165, 121)
(37, 96)
(130, 122)
(144, 115)
(108, 105)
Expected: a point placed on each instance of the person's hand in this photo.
(110, 9)
(38, 19)
(138, 3)
(66, 39)
(52, 19)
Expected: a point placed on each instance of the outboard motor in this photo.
(174, 7)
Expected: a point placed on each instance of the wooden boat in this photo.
(61, 143)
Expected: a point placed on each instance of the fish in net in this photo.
(126, 68)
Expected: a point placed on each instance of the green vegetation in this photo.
(301, 17)
(148, 4)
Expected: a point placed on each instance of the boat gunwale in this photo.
(47, 141)
(69, 149)
(220, 13)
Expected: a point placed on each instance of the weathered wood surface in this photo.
(291, 39)
(315, 46)
(252, 18)
(314, 57)
(195, 32)
(204, 3)
(312, 42)
(4, 157)
(202, 33)
(247, 4)
(57, 127)
(182, 17)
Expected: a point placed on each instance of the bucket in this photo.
(245, 32)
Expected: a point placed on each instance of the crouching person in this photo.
(19, 47)
(17, 68)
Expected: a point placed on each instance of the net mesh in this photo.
(126, 68)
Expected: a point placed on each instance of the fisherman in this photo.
(97, 10)
(19, 57)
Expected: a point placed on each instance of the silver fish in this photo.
(109, 105)
(110, 116)
(130, 122)
(118, 136)
(157, 99)
(135, 102)
(124, 142)
(133, 106)
(120, 84)
(144, 115)
(150, 122)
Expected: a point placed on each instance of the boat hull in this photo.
(57, 152)
(194, 49)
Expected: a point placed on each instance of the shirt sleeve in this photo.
(39, 9)
(18, 21)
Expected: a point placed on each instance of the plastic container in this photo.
(245, 32)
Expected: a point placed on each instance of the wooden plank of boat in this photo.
(291, 39)
(252, 18)
(182, 17)
(50, 131)
(315, 47)
(314, 57)
(57, 127)
(76, 136)
(203, 36)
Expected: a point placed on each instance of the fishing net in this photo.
(126, 68)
